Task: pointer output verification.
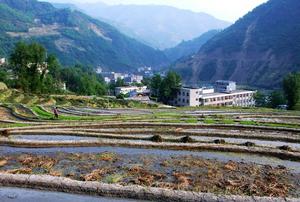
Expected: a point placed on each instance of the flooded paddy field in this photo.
(227, 173)
(10, 194)
(225, 152)
(51, 137)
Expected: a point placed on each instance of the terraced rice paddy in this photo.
(232, 152)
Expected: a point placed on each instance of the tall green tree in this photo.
(29, 64)
(276, 98)
(155, 84)
(166, 88)
(291, 87)
(82, 81)
(260, 99)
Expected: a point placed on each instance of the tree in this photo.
(29, 64)
(260, 99)
(276, 98)
(3, 76)
(83, 81)
(165, 89)
(291, 87)
(120, 82)
(155, 84)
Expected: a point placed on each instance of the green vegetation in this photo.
(113, 179)
(31, 66)
(165, 89)
(272, 100)
(13, 125)
(276, 99)
(78, 38)
(34, 72)
(209, 121)
(291, 86)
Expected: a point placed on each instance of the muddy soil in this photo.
(183, 172)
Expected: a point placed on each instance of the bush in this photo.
(3, 86)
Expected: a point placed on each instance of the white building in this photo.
(131, 90)
(225, 86)
(112, 76)
(225, 95)
(190, 96)
(2, 61)
(237, 98)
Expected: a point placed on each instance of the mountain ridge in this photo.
(187, 48)
(259, 49)
(167, 28)
(73, 36)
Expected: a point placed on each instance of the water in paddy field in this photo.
(8, 194)
(219, 156)
(242, 140)
(52, 137)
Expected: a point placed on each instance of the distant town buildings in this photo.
(131, 78)
(132, 91)
(2, 61)
(128, 78)
(146, 71)
(223, 94)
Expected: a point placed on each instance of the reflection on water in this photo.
(242, 140)
(8, 194)
(51, 137)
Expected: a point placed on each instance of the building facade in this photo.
(238, 98)
(225, 86)
(224, 94)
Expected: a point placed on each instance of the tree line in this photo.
(289, 95)
(31, 70)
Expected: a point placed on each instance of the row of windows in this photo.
(184, 100)
(247, 95)
(183, 93)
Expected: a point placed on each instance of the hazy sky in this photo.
(229, 10)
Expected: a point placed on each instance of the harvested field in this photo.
(225, 152)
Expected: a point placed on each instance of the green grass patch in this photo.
(13, 125)
(191, 121)
(113, 179)
(251, 123)
(209, 121)
(227, 121)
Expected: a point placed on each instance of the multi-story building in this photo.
(225, 95)
(191, 96)
(238, 98)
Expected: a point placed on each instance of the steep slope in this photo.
(259, 49)
(187, 48)
(160, 26)
(73, 36)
